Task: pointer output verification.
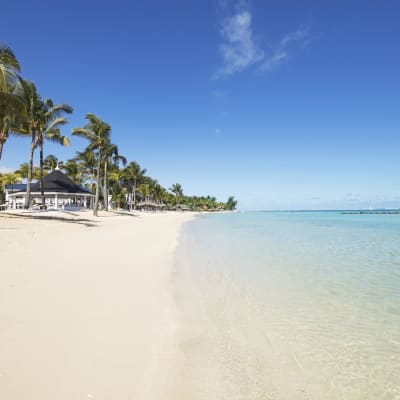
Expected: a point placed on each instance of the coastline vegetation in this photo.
(99, 167)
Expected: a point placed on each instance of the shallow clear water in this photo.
(296, 304)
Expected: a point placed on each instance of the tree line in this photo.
(100, 167)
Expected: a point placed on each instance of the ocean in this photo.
(291, 305)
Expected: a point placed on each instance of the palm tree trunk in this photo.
(96, 199)
(30, 168)
(3, 138)
(105, 186)
(134, 195)
(91, 179)
(131, 202)
(41, 176)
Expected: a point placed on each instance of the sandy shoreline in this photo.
(87, 307)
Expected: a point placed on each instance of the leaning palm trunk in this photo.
(96, 199)
(1, 148)
(3, 138)
(30, 169)
(41, 177)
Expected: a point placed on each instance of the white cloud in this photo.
(240, 49)
(288, 43)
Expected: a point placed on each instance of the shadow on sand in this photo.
(80, 221)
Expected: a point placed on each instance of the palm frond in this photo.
(56, 137)
(85, 133)
(56, 123)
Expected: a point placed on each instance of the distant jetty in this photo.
(372, 212)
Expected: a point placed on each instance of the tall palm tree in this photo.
(34, 112)
(111, 157)
(42, 121)
(132, 176)
(98, 134)
(10, 103)
(49, 129)
(178, 191)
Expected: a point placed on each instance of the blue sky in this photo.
(285, 104)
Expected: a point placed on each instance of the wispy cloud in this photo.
(291, 41)
(240, 49)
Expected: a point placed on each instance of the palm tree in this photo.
(158, 192)
(231, 203)
(23, 171)
(74, 170)
(49, 129)
(9, 67)
(50, 163)
(11, 179)
(42, 121)
(87, 161)
(8, 179)
(132, 176)
(30, 125)
(116, 188)
(10, 104)
(145, 190)
(111, 157)
(178, 191)
(98, 134)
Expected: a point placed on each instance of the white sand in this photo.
(87, 308)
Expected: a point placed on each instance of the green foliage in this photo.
(231, 204)
(24, 169)
(50, 163)
(8, 179)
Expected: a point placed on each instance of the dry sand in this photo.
(87, 308)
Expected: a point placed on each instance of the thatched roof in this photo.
(149, 203)
(58, 182)
(182, 207)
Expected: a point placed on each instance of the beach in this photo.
(183, 306)
(87, 307)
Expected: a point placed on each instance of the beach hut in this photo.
(181, 207)
(150, 205)
(60, 192)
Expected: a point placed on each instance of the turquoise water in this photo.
(295, 305)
